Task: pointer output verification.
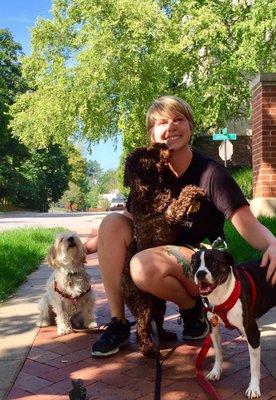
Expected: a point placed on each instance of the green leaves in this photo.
(96, 66)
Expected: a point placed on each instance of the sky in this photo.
(19, 16)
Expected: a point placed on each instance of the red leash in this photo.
(206, 385)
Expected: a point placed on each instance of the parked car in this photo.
(117, 203)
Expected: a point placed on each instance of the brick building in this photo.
(264, 144)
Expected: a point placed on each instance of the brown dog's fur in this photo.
(156, 216)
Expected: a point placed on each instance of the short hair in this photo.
(166, 106)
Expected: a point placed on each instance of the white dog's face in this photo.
(67, 251)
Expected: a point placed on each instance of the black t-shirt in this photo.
(223, 197)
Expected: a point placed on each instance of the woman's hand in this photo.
(269, 261)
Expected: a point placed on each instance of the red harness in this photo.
(74, 299)
(221, 310)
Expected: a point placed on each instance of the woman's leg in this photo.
(163, 272)
(115, 235)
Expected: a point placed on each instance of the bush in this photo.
(104, 203)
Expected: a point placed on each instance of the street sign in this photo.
(225, 150)
(223, 136)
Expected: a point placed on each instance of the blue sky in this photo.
(20, 16)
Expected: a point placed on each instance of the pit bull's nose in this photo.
(71, 239)
(201, 274)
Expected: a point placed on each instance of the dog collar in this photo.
(67, 296)
(222, 309)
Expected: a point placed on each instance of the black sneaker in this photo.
(195, 325)
(116, 335)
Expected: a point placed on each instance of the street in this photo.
(69, 220)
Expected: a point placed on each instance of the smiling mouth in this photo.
(173, 138)
(205, 288)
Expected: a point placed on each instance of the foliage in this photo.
(74, 195)
(244, 178)
(28, 177)
(92, 197)
(108, 181)
(103, 203)
(94, 172)
(96, 66)
(21, 251)
(12, 152)
(45, 177)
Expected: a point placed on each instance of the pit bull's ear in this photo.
(229, 258)
(51, 257)
(219, 244)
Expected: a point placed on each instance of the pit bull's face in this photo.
(210, 268)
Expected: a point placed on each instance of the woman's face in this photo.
(175, 132)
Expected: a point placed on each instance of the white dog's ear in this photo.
(52, 257)
(83, 254)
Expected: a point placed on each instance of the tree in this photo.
(95, 68)
(73, 195)
(94, 172)
(108, 181)
(12, 152)
(44, 177)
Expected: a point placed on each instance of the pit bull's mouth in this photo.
(205, 288)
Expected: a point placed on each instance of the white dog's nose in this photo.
(201, 275)
(71, 239)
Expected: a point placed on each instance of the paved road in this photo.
(67, 220)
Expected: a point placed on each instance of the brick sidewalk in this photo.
(54, 360)
(45, 370)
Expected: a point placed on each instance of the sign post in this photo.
(226, 147)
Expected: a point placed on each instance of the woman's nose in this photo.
(170, 124)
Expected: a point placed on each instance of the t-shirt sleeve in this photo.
(225, 193)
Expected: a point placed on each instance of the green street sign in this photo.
(224, 135)
(221, 136)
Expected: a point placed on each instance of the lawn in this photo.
(21, 251)
(238, 246)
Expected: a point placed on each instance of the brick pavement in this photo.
(54, 360)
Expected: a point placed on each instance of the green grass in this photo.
(21, 251)
(238, 246)
(244, 177)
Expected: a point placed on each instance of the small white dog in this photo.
(69, 296)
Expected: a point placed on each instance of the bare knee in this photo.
(142, 270)
(116, 227)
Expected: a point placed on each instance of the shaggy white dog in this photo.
(69, 297)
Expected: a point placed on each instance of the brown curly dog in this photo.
(156, 215)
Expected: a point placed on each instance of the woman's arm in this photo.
(259, 237)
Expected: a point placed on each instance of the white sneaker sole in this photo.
(110, 352)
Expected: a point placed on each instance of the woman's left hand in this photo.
(269, 261)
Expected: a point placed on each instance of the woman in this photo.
(159, 270)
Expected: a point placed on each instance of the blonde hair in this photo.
(165, 107)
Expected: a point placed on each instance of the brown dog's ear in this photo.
(51, 257)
